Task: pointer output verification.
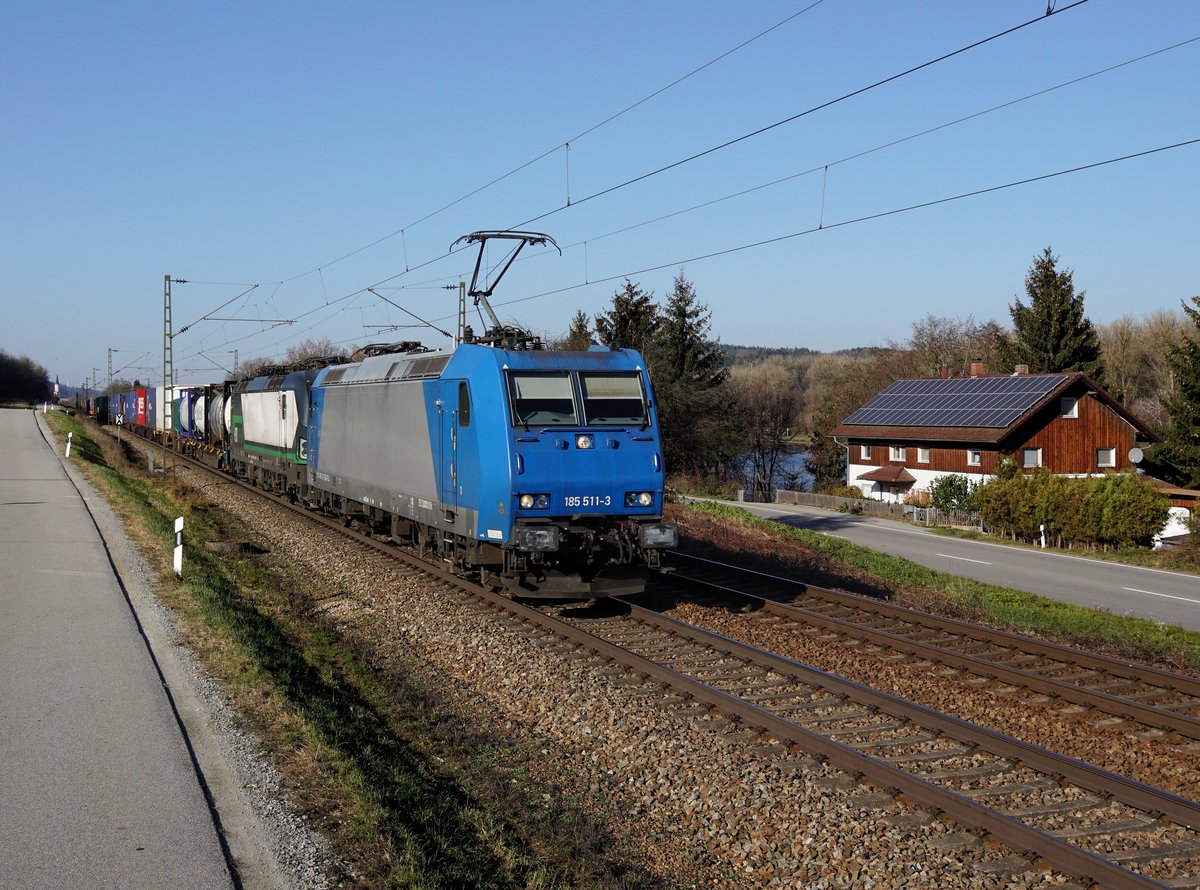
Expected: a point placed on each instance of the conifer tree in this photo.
(687, 368)
(682, 348)
(632, 320)
(579, 334)
(1177, 459)
(1051, 333)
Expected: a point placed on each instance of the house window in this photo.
(895, 453)
(1106, 457)
(1068, 407)
(1031, 457)
(974, 457)
(922, 455)
(864, 451)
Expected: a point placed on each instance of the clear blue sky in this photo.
(253, 142)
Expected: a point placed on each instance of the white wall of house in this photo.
(880, 491)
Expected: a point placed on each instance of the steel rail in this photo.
(1014, 834)
(1148, 715)
(1136, 794)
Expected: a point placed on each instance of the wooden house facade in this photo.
(919, 429)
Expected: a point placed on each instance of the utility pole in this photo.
(168, 356)
(235, 363)
(110, 352)
(460, 331)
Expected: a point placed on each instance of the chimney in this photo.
(978, 369)
(1021, 369)
(944, 371)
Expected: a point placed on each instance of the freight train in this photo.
(534, 470)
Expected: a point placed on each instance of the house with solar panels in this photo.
(919, 429)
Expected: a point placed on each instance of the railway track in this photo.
(1141, 694)
(1092, 824)
(1048, 810)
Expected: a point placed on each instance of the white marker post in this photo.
(69, 435)
(179, 547)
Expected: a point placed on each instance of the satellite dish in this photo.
(1135, 455)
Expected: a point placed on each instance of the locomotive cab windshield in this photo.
(613, 399)
(542, 399)
(548, 399)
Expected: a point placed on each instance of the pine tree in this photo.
(682, 349)
(1051, 333)
(631, 322)
(579, 335)
(1177, 459)
(687, 368)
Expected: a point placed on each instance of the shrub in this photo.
(846, 491)
(917, 498)
(1114, 510)
(952, 492)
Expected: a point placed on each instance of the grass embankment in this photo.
(999, 607)
(407, 792)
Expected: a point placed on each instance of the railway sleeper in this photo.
(1181, 850)
(955, 752)
(972, 772)
(900, 742)
(839, 717)
(1039, 784)
(1079, 805)
(873, 729)
(1137, 823)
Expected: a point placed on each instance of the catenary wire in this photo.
(711, 150)
(401, 231)
(861, 219)
(848, 222)
(869, 151)
(787, 120)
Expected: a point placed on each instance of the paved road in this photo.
(97, 787)
(1168, 597)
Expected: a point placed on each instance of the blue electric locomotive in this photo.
(533, 470)
(542, 471)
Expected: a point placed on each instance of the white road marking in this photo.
(790, 510)
(1165, 595)
(964, 559)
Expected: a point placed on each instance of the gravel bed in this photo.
(708, 807)
(1121, 747)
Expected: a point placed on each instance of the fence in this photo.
(959, 518)
(846, 505)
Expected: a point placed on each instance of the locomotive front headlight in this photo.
(639, 498)
(533, 501)
(526, 501)
(584, 441)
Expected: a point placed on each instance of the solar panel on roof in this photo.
(993, 402)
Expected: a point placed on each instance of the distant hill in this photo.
(746, 355)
